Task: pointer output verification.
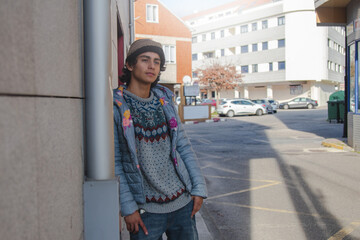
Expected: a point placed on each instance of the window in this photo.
(265, 46)
(152, 13)
(212, 94)
(194, 74)
(282, 65)
(270, 67)
(170, 53)
(244, 29)
(212, 35)
(222, 33)
(222, 52)
(208, 54)
(254, 26)
(254, 68)
(245, 69)
(281, 21)
(296, 90)
(352, 79)
(194, 39)
(203, 37)
(254, 47)
(264, 24)
(194, 57)
(281, 43)
(244, 49)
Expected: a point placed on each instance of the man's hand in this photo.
(133, 221)
(197, 204)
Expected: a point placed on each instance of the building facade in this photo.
(346, 13)
(42, 123)
(153, 20)
(275, 45)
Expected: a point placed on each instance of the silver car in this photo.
(232, 107)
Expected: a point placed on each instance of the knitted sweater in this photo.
(163, 189)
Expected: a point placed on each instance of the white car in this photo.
(233, 107)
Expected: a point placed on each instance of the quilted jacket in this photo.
(127, 166)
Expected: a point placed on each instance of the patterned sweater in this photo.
(163, 189)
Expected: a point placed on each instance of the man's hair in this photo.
(138, 47)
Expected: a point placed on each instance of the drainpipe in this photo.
(98, 97)
(132, 22)
(101, 189)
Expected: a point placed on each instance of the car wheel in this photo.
(275, 111)
(286, 106)
(310, 106)
(230, 113)
(259, 112)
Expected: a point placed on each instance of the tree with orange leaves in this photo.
(219, 77)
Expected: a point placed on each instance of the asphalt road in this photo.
(268, 177)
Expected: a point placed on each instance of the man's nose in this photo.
(151, 65)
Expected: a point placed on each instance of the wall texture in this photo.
(41, 120)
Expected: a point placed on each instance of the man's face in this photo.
(146, 69)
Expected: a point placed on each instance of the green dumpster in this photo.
(336, 106)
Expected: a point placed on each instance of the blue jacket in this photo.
(127, 164)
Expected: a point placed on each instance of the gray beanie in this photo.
(145, 45)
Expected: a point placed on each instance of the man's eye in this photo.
(157, 63)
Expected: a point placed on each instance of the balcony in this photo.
(331, 12)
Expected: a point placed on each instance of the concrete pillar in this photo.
(237, 93)
(246, 92)
(269, 92)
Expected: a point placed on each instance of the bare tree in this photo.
(219, 77)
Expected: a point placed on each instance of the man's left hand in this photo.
(197, 204)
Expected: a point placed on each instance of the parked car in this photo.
(274, 104)
(265, 103)
(232, 107)
(189, 100)
(211, 102)
(300, 102)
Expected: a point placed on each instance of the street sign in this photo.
(191, 91)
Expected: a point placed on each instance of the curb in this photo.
(335, 143)
(207, 121)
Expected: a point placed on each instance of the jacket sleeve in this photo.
(189, 158)
(127, 202)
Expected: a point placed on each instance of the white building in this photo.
(276, 46)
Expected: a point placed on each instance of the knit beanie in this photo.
(145, 45)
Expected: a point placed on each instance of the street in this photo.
(269, 177)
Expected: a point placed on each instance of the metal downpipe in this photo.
(98, 97)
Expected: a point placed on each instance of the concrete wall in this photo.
(41, 120)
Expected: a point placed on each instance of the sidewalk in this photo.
(203, 231)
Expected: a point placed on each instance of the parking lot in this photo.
(269, 177)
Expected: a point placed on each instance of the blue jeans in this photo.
(177, 225)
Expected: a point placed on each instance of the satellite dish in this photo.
(186, 79)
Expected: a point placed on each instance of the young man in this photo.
(161, 186)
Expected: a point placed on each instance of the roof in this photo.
(243, 4)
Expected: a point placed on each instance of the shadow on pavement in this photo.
(225, 151)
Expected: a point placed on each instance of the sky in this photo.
(183, 8)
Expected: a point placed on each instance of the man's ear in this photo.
(130, 68)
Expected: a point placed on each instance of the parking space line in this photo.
(355, 223)
(245, 179)
(244, 190)
(345, 231)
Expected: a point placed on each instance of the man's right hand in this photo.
(133, 221)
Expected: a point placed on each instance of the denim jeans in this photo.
(177, 225)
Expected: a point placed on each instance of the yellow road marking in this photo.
(284, 211)
(244, 190)
(245, 179)
(345, 231)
